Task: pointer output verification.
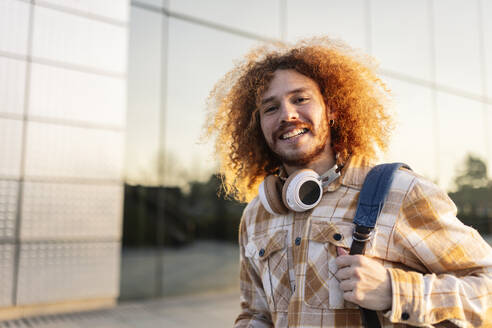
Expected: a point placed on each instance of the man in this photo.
(313, 106)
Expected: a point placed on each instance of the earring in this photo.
(331, 122)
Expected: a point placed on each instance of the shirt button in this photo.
(405, 316)
(298, 241)
(337, 237)
(261, 252)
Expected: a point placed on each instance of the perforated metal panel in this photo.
(57, 271)
(114, 9)
(56, 93)
(14, 17)
(61, 210)
(58, 151)
(78, 40)
(10, 147)
(6, 273)
(12, 82)
(8, 208)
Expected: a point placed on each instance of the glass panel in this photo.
(457, 62)
(14, 24)
(12, 83)
(109, 8)
(488, 131)
(487, 36)
(154, 3)
(215, 263)
(9, 191)
(59, 271)
(461, 131)
(7, 273)
(339, 19)
(414, 138)
(10, 147)
(144, 96)
(197, 59)
(401, 36)
(78, 40)
(71, 211)
(256, 16)
(72, 95)
(57, 151)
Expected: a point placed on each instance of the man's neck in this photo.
(319, 165)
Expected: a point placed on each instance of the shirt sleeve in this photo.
(254, 306)
(458, 285)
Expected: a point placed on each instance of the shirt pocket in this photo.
(269, 254)
(321, 288)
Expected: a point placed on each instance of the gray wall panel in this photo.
(6, 273)
(57, 151)
(77, 40)
(61, 271)
(14, 17)
(12, 86)
(10, 147)
(71, 211)
(9, 191)
(114, 9)
(60, 93)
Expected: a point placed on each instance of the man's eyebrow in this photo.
(264, 101)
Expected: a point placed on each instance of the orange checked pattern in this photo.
(440, 269)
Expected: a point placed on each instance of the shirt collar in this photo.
(353, 173)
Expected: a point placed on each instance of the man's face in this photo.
(293, 119)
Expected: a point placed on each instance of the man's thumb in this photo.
(341, 251)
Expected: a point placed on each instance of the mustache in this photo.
(286, 126)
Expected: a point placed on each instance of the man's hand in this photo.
(364, 281)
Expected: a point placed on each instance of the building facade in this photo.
(62, 124)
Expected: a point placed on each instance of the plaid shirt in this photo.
(440, 269)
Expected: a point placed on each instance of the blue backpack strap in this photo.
(371, 201)
(374, 192)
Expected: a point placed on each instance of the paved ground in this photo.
(211, 310)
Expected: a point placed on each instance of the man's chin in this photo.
(296, 161)
(300, 160)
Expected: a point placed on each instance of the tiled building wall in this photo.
(62, 124)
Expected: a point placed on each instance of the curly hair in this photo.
(347, 82)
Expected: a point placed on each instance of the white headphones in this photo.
(301, 191)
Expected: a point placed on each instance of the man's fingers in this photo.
(349, 296)
(347, 285)
(341, 251)
(344, 273)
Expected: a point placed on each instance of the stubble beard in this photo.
(303, 159)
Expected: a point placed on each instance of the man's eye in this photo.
(300, 100)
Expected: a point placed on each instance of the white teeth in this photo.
(293, 133)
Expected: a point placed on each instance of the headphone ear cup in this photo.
(293, 187)
(286, 189)
(270, 195)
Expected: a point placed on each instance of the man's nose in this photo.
(288, 112)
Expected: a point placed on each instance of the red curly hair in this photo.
(347, 82)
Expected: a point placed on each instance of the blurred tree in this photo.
(474, 174)
(199, 214)
(473, 196)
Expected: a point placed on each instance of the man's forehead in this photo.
(285, 82)
(294, 91)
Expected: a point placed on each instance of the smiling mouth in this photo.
(294, 133)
